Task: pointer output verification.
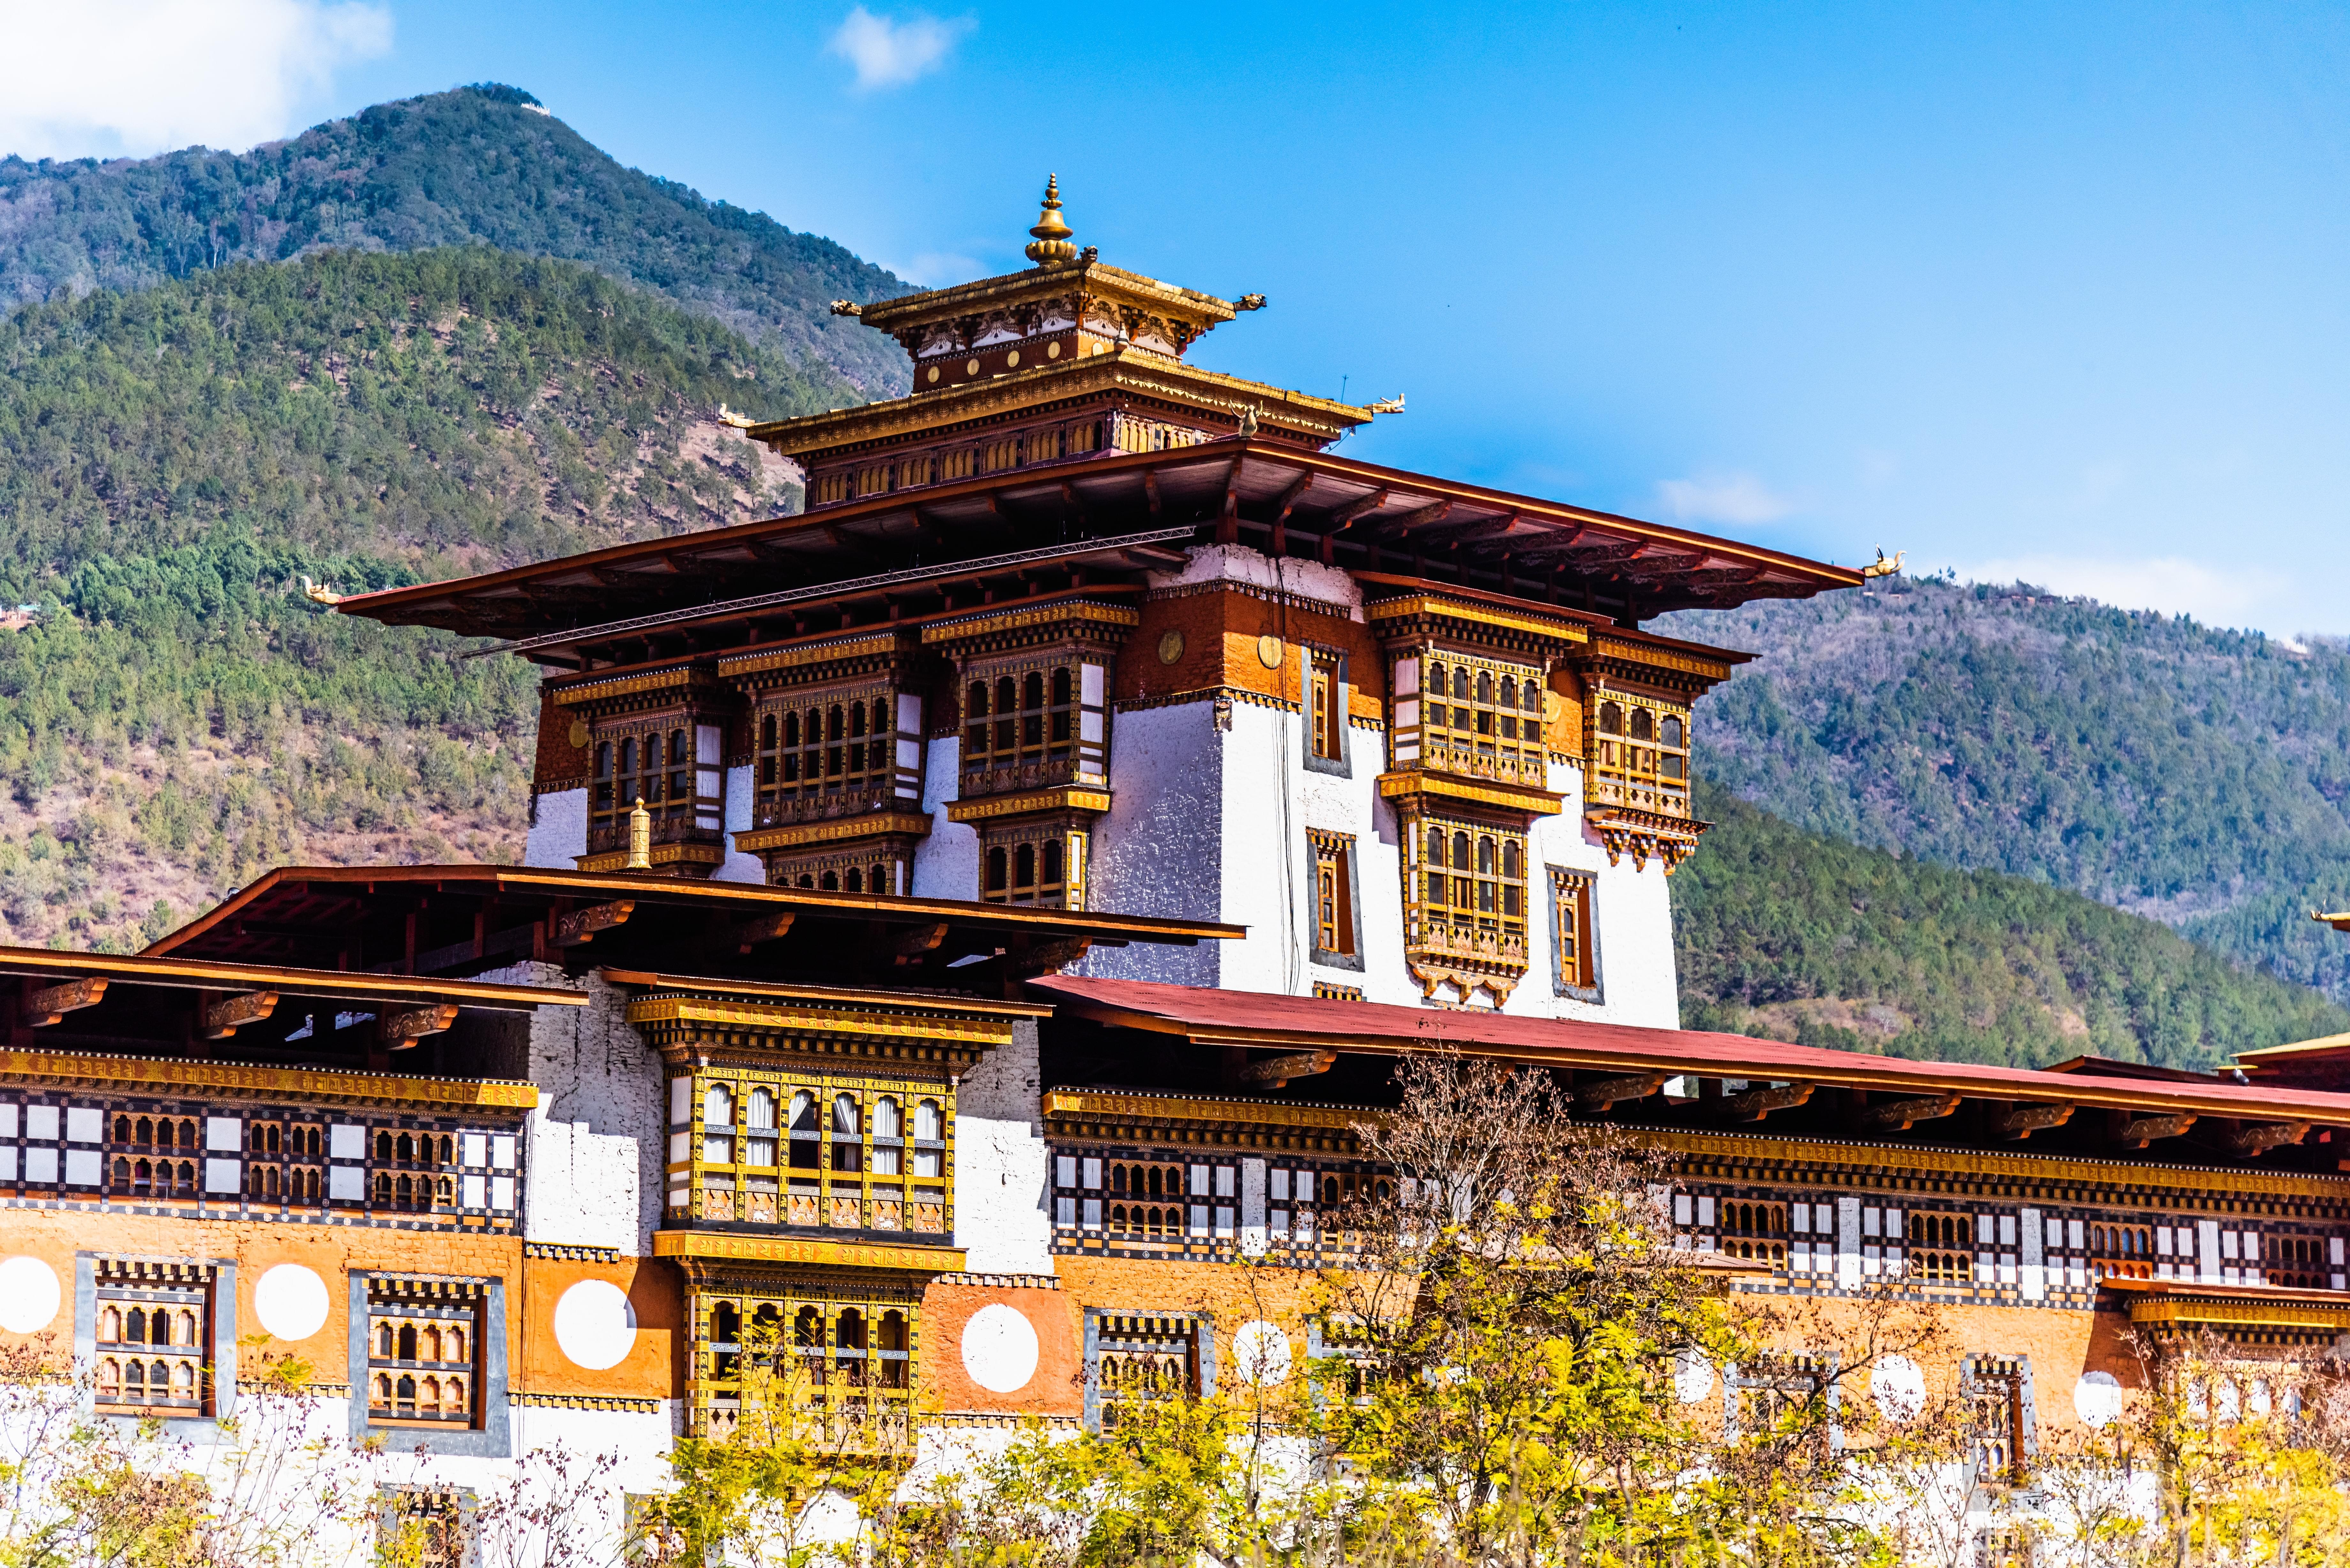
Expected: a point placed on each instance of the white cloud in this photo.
(1722, 498)
(936, 269)
(116, 78)
(889, 53)
(2171, 584)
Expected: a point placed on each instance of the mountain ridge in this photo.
(483, 164)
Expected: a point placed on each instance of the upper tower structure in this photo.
(1068, 360)
(1077, 623)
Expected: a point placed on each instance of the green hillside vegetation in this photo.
(173, 461)
(1788, 935)
(2199, 776)
(481, 165)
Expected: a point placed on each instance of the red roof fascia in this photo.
(1241, 1017)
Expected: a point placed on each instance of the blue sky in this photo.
(2055, 291)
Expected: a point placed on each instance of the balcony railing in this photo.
(1450, 944)
(1013, 777)
(1531, 768)
(605, 837)
(822, 805)
(1663, 799)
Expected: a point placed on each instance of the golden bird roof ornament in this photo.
(1051, 244)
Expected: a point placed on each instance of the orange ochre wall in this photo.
(2062, 1344)
(1221, 628)
(653, 1369)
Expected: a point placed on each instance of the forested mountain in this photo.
(1789, 935)
(478, 165)
(171, 460)
(2155, 764)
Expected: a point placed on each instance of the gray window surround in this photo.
(1322, 957)
(1597, 995)
(1203, 1350)
(1343, 764)
(192, 1429)
(2027, 1418)
(491, 1439)
(468, 1506)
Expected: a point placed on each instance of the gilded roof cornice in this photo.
(1124, 370)
(1089, 280)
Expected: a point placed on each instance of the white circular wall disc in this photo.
(291, 1302)
(595, 1326)
(29, 1295)
(999, 1348)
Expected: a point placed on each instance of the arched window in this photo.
(1460, 685)
(1007, 715)
(829, 882)
(407, 1342)
(137, 1324)
(1461, 861)
(807, 1329)
(998, 879)
(454, 1345)
(929, 1124)
(1671, 731)
(109, 1326)
(406, 1147)
(383, 1341)
(845, 1118)
(718, 1106)
(725, 1324)
(1611, 719)
(1643, 724)
(1051, 864)
(1023, 870)
(852, 881)
(431, 1346)
(885, 1118)
(760, 1112)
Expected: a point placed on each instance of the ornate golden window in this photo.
(1942, 1247)
(1464, 906)
(153, 1331)
(1640, 754)
(673, 765)
(863, 868)
(1024, 721)
(787, 1358)
(1039, 862)
(825, 753)
(810, 1151)
(1474, 877)
(1483, 718)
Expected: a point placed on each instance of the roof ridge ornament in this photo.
(1051, 244)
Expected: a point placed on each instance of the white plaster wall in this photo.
(1632, 910)
(1239, 564)
(946, 864)
(1159, 849)
(560, 831)
(738, 867)
(999, 1162)
(594, 1160)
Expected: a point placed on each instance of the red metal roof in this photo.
(1261, 1020)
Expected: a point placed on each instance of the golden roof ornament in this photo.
(640, 839)
(1051, 246)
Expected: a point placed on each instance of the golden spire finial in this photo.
(1052, 233)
